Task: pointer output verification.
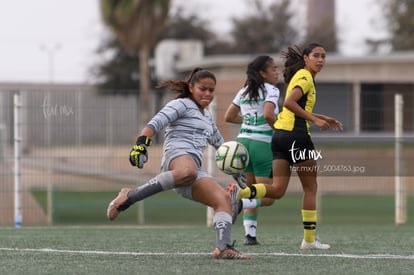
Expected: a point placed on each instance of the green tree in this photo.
(118, 73)
(399, 15)
(266, 29)
(136, 24)
(181, 26)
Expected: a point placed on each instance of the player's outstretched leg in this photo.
(127, 196)
(118, 204)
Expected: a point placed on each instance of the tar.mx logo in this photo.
(53, 110)
(298, 154)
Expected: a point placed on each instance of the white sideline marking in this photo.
(305, 254)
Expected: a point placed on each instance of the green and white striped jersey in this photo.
(254, 126)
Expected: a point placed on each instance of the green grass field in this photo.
(356, 249)
(175, 240)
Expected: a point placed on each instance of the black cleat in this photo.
(249, 240)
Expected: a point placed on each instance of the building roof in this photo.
(395, 67)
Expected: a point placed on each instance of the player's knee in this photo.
(188, 174)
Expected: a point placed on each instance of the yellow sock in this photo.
(246, 192)
(309, 225)
(260, 190)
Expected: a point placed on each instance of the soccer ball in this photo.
(232, 157)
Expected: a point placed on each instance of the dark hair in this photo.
(254, 80)
(294, 59)
(182, 87)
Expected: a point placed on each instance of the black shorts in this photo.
(292, 146)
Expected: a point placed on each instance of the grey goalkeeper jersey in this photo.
(187, 128)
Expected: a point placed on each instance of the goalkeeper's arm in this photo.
(147, 132)
(139, 155)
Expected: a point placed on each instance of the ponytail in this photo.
(254, 80)
(294, 59)
(182, 87)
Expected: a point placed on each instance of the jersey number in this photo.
(250, 119)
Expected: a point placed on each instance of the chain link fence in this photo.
(75, 145)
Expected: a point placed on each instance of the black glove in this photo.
(139, 155)
(240, 179)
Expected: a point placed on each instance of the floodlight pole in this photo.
(50, 51)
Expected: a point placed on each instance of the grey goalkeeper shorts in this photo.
(185, 191)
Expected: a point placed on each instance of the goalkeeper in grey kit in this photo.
(189, 128)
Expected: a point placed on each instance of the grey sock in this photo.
(163, 181)
(166, 180)
(222, 225)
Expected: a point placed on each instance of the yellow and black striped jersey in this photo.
(287, 120)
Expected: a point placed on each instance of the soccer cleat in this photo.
(249, 240)
(315, 245)
(236, 204)
(116, 206)
(229, 253)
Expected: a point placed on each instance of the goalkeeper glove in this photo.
(240, 178)
(139, 155)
